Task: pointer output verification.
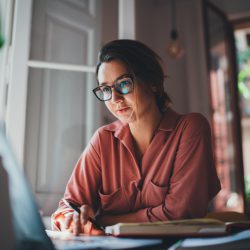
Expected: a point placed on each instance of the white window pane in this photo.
(64, 32)
(60, 114)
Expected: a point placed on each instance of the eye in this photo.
(106, 89)
(124, 83)
(125, 86)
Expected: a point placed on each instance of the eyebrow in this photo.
(118, 78)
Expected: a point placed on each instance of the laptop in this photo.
(28, 228)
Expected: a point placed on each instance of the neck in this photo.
(143, 130)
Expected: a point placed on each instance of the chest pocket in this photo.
(153, 195)
(121, 200)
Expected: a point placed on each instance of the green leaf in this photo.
(1, 41)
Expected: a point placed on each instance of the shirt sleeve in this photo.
(194, 181)
(83, 185)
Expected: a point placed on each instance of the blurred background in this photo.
(47, 73)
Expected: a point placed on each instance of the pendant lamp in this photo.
(174, 48)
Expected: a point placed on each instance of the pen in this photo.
(76, 208)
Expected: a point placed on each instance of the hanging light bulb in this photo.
(174, 48)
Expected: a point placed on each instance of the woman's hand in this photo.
(79, 223)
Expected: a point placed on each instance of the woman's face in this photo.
(132, 106)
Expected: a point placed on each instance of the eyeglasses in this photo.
(123, 86)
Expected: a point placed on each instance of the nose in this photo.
(116, 97)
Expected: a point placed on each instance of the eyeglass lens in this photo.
(122, 86)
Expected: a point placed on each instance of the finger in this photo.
(95, 231)
(68, 220)
(87, 228)
(76, 224)
(86, 211)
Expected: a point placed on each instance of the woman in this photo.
(153, 164)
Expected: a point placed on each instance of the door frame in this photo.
(230, 45)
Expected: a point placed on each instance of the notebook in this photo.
(183, 228)
(186, 227)
(28, 229)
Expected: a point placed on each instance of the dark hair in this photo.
(141, 61)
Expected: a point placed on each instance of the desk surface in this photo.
(241, 239)
(64, 240)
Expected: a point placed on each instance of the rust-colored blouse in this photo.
(175, 179)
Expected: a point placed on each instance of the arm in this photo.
(107, 220)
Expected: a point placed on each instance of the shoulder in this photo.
(194, 119)
(109, 128)
(193, 124)
(107, 131)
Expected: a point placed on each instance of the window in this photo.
(225, 114)
(242, 37)
(50, 114)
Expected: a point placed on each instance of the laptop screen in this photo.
(28, 227)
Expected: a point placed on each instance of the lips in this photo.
(123, 109)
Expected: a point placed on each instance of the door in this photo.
(224, 109)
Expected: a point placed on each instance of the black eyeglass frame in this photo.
(127, 75)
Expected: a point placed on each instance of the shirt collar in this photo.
(119, 128)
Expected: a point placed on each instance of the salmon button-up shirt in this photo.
(175, 179)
